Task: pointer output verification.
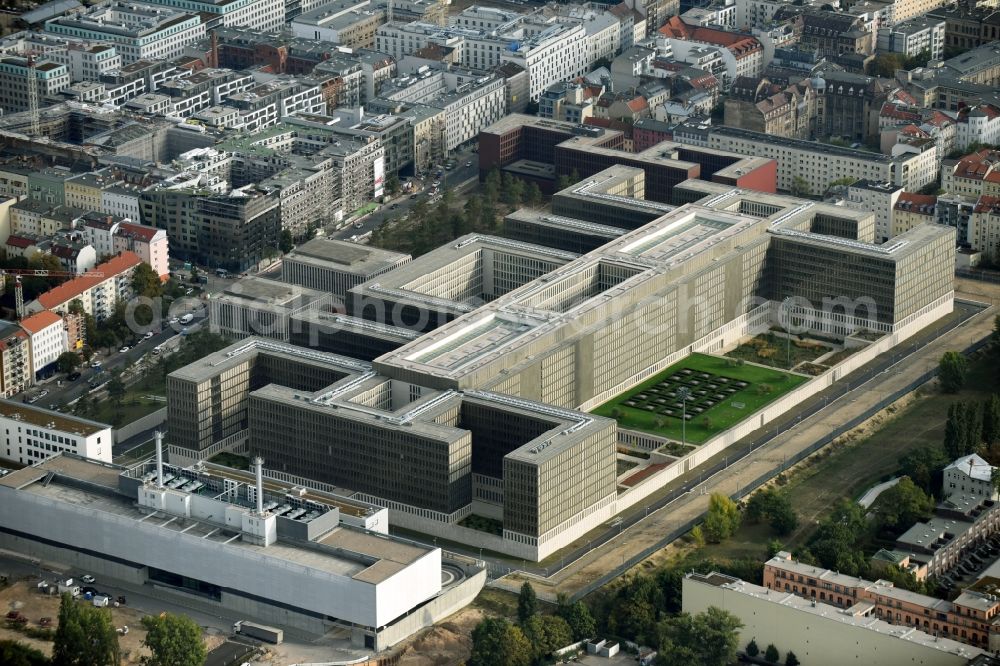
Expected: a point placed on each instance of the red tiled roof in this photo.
(19, 241)
(988, 204)
(638, 104)
(69, 290)
(139, 231)
(916, 203)
(40, 321)
(738, 44)
(893, 111)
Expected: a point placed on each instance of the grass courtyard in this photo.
(721, 394)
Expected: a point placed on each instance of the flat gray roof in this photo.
(213, 364)
(345, 256)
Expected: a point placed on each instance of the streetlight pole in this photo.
(684, 393)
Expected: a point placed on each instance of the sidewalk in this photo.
(645, 533)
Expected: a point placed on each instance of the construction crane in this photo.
(33, 96)
(17, 273)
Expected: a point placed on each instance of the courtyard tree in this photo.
(285, 243)
(13, 653)
(578, 617)
(771, 654)
(752, 650)
(85, 636)
(791, 659)
(902, 505)
(952, 370)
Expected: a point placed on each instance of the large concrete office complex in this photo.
(258, 306)
(336, 266)
(260, 548)
(477, 411)
(540, 150)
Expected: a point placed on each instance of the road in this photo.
(62, 392)
(451, 179)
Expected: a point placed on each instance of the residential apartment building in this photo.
(914, 37)
(30, 434)
(817, 165)
(830, 33)
(97, 294)
(148, 243)
(984, 227)
(966, 26)
(350, 24)
(879, 198)
(139, 31)
(234, 230)
(17, 73)
(969, 476)
(99, 231)
(743, 54)
(911, 210)
(47, 337)
(972, 175)
(821, 633)
(967, 619)
(761, 106)
(15, 359)
(978, 124)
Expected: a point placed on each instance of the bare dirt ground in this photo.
(444, 644)
(22, 596)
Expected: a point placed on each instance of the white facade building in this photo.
(879, 198)
(47, 336)
(30, 434)
(139, 31)
(969, 476)
(913, 37)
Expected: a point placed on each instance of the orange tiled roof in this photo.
(40, 321)
(69, 290)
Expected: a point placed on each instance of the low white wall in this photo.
(139, 425)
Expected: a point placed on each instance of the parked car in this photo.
(121, 600)
(88, 579)
(45, 622)
(157, 350)
(148, 335)
(73, 376)
(124, 349)
(43, 393)
(394, 206)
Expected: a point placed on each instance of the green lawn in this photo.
(233, 460)
(755, 387)
(773, 350)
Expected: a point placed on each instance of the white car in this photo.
(174, 320)
(156, 350)
(43, 393)
(88, 579)
(148, 335)
(123, 349)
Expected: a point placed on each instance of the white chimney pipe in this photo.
(159, 458)
(258, 466)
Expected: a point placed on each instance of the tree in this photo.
(835, 543)
(13, 653)
(885, 65)
(722, 519)
(527, 603)
(513, 192)
(800, 187)
(952, 371)
(991, 420)
(995, 336)
(698, 535)
(771, 654)
(491, 187)
(954, 432)
(173, 640)
(116, 390)
(752, 649)
(285, 243)
(497, 642)
(546, 633)
(973, 426)
(581, 622)
(791, 659)
(783, 519)
(68, 362)
(533, 195)
(146, 282)
(85, 636)
(711, 638)
(924, 467)
(392, 183)
(76, 307)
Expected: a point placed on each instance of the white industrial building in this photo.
(819, 634)
(259, 547)
(30, 434)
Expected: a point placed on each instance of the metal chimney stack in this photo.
(258, 467)
(159, 458)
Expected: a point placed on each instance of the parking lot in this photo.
(974, 563)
